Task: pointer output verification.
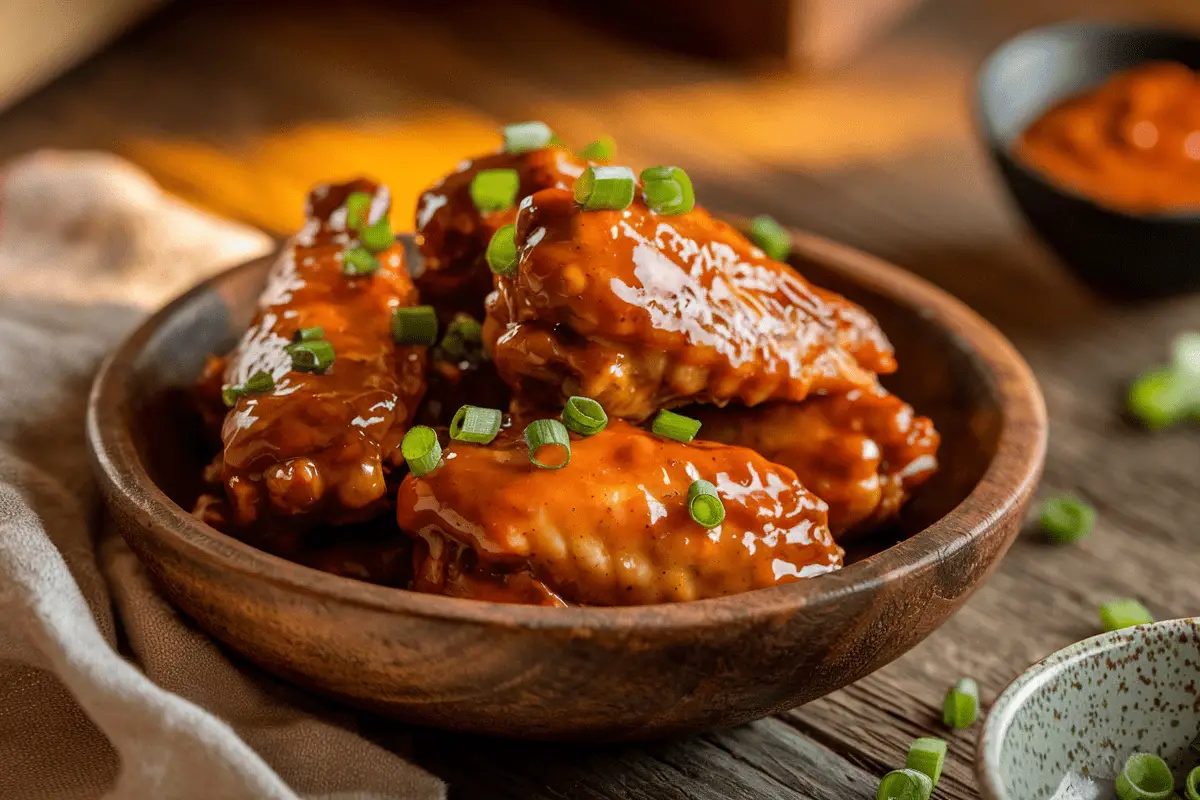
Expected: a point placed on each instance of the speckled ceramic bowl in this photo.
(1063, 729)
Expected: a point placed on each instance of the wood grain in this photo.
(882, 156)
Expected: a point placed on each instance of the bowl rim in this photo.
(1009, 478)
(985, 126)
(991, 739)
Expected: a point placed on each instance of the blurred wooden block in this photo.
(815, 34)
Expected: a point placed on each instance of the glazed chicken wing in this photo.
(862, 452)
(454, 233)
(642, 311)
(317, 446)
(612, 527)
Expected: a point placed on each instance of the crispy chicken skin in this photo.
(612, 527)
(862, 452)
(317, 447)
(454, 234)
(641, 311)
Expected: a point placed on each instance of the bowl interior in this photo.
(939, 375)
(1065, 727)
(1032, 72)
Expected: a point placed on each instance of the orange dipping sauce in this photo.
(1132, 144)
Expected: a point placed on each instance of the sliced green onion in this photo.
(668, 190)
(1123, 613)
(603, 149)
(520, 137)
(308, 334)
(1191, 786)
(476, 425)
(495, 189)
(1145, 776)
(462, 335)
(312, 356)
(415, 325)
(549, 444)
(927, 755)
(675, 426)
(605, 188)
(961, 706)
(1066, 520)
(704, 504)
(359, 261)
(1185, 354)
(377, 237)
(1160, 398)
(584, 416)
(502, 251)
(358, 206)
(770, 237)
(905, 784)
(421, 449)
(260, 381)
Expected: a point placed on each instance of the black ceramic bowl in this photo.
(1118, 253)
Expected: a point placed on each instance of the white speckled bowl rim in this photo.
(1004, 710)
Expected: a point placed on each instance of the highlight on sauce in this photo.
(1132, 143)
(590, 392)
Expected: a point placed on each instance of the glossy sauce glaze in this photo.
(454, 234)
(1133, 143)
(318, 447)
(863, 452)
(641, 311)
(612, 527)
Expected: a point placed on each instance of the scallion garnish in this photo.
(1145, 776)
(1160, 398)
(1066, 520)
(549, 444)
(421, 449)
(502, 251)
(462, 335)
(359, 261)
(961, 706)
(495, 189)
(1123, 613)
(927, 755)
(770, 237)
(704, 504)
(1191, 785)
(476, 425)
(667, 190)
(414, 325)
(358, 206)
(675, 426)
(603, 149)
(584, 416)
(312, 356)
(377, 237)
(520, 137)
(257, 383)
(605, 188)
(905, 784)
(308, 334)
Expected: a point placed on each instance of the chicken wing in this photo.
(612, 527)
(862, 452)
(640, 311)
(454, 234)
(317, 446)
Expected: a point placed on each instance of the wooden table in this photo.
(241, 108)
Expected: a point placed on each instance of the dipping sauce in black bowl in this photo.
(1121, 249)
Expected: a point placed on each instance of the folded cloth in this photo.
(105, 690)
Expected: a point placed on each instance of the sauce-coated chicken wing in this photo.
(640, 311)
(317, 446)
(612, 527)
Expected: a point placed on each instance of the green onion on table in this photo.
(1123, 613)
(1066, 520)
(1168, 395)
(961, 706)
(905, 784)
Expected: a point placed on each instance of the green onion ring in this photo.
(502, 251)
(358, 206)
(668, 190)
(1191, 785)
(770, 237)
(961, 706)
(359, 261)
(521, 137)
(605, 188)
(475, 424)
(548, 433)
(495, 189)
(308, 334)
(1123, 613)
(927, 755)
(312, 356)
(414, 325)
(584, 416)
(603, 149)
(377, 237)
(704, 504)
(1066, 520)
(421, 449)
(1145, 776)
(904, 784)
(675, 426)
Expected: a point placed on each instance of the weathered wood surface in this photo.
(882, 156)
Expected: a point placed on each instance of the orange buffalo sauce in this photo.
(1133, 143)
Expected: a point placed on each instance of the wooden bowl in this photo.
(584, 673)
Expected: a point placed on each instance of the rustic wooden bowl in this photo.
(586, 673)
